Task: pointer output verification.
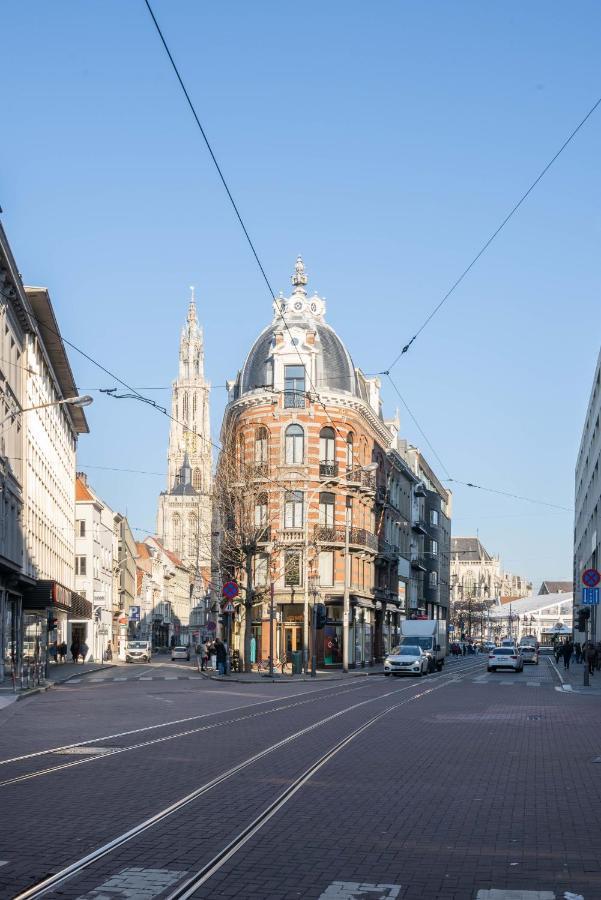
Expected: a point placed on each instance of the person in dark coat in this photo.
(221, 654)
(75, 651)
(568, 649)
(578, 651)
(591, 657)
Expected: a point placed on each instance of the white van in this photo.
(138, 651)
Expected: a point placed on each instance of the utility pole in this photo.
(271, 617)
(346, 598)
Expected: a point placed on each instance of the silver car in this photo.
(406, 660)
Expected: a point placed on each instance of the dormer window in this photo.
(294, 386)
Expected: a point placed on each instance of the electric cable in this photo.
(495, 233)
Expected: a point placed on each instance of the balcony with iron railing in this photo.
(358, 537)
(328, 468)
(361, 479)
(385, 548)
(419, 562)
(294, 399)
(420, 526)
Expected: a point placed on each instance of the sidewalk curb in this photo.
(285, 679)
(98, 668)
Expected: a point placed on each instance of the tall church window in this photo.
(261, 448)
(177, 534)
(194, 406)
(196, 479)
(185, 406)
(295, 445)
(192, 534)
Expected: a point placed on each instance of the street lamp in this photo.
(84, 400)
(370, 467)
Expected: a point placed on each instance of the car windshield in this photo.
(136, 645)
(185, 649)
(503, 651)
(424, 642)
(405, 650)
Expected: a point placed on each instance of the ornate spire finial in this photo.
(300, 277)
(192, 306)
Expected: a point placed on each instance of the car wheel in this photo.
(387, 674)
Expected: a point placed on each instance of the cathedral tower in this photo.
(184, 515)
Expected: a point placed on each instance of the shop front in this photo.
(52, 615)
(11, 634)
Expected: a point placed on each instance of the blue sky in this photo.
(384, 142)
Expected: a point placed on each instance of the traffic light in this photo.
(584, 615)
(52, 620)
(320, 615)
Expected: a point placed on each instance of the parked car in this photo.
(529, 654)
(508, 642)
(505, 658)
(138, 651)
(180, 653)
(408, 659)
(430, 635)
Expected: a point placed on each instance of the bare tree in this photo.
(242, 509)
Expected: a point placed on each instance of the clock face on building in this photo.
(190, 441)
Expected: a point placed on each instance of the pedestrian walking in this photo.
(74, 649)
(591, 657)
(578, 651)
(204, 658)
(62, 651)
(221, 654)
(83, 651)
(568, 649)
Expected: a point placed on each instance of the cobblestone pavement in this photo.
(452, 786)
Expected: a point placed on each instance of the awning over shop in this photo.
(54, 596)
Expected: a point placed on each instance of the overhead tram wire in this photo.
(495, 234)
(235, 208)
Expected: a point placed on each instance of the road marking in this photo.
(3, 862)
(134, 883)
(121, 678)
(353, 890)
(171, 677)
(145, 678)
(82, 751)
(496, 894)
(533, 683)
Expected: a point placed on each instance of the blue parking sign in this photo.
(590, 596)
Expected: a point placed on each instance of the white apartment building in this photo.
(587, 512)
(95, 549)
(172, 601)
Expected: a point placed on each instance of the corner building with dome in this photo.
(308, 427)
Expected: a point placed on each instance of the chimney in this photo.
(82, 477)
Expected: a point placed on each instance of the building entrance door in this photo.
(293, 640)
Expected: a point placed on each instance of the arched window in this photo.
(261, 511)
(349, 450)
(349, 511)
(261, 447)
(192, 534)
(327, 445)
(293, 509)
(326, 509)
(196, 479)
(177, 534)
(295, 445)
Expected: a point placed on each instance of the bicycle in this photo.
(279, 665)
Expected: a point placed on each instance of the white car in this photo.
(406, 660)
(529, 654)
(505, 658)
(180, 653)
(138, 651)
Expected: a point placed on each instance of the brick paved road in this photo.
(461, 787)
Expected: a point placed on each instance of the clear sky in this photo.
(383, 141)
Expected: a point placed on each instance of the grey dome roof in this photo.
(335, 369)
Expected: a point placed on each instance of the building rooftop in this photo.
(469, 549)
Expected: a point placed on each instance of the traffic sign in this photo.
(230, 590)
(590, 596)
(591, 578)
(228, 607)
(211, 626)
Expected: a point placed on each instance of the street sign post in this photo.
(590, 596)
(591, 578)
(230, 590)
(228, 607)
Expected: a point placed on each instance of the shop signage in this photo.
(61, 596)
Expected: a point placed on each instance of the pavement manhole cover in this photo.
(534, 718)
(84, 751)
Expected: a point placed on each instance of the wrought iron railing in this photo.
(328, 469)
(329, 534)
(294, 399)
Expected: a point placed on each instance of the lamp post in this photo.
(338, 480)
(84, 400)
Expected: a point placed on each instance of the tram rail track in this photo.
(437, 682)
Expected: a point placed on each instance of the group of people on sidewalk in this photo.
(589, 652)
(58, 652)
(215, 648)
